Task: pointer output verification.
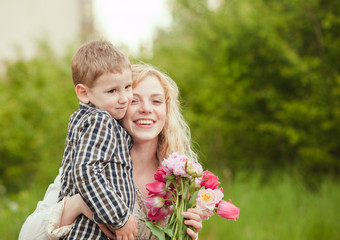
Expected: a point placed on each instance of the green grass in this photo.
(279, 208)
(13, 211)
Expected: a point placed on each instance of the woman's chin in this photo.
(143, 137)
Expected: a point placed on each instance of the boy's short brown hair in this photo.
(96, 58)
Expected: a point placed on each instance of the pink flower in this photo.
(197, 183)
(159, 213)
(227, 210)
(160, 175)
(209, 180)
(154, 202)
(208, 198)
(156, 188)
(194, 169)
(168, 197)
(206, 214)
(175, 164)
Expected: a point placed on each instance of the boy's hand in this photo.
(128, 231)
(106, 229)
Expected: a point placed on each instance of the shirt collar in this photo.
(89, 105)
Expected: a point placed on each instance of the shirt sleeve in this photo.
(35, 225)
(94, 167)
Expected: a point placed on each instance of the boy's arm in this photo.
(96, 145)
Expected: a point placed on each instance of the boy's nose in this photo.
(123, 98)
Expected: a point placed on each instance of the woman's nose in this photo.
(145, 107)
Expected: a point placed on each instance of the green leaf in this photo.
(193, 199)
(169, 231)
(179, 226)
(186, 188)
(167, 184)
(156, 230)
(171, 177)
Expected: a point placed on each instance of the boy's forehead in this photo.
(108, 77)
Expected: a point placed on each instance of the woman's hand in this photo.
(75, 206)
(193, 217)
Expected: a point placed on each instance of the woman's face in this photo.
(145, 117)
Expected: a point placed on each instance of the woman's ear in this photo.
(81, 92)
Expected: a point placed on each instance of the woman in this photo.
(158, 129)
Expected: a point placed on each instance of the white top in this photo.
(48, 212)
(35, 225)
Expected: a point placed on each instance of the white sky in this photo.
(128, 22)
(131, 21)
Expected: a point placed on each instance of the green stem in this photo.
(177, 211)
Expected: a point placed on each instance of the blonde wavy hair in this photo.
(175, 136)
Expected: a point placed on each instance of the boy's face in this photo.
(112, 92)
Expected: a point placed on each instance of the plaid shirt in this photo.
(97, 165)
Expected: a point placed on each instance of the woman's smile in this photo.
(145, 123)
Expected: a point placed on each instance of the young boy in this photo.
(96, 162)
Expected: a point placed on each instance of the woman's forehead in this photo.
(149, 85)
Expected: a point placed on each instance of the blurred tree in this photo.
(260, 81)
(37, 97)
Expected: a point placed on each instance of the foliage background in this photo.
(260, 81)
(260, 89)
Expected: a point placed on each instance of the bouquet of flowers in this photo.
(182, 184)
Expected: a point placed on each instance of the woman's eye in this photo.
(128, 86)
(158, 101)
(134, 100)
(112, 90)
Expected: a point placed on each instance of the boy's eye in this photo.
(128, 86)
(134, 100)
(112, 90)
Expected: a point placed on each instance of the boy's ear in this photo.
(81, 92)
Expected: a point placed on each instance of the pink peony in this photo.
(197, 183)
(175, 164)
(208, 198)
(227, 210)
(206, 214)
(209, 180)
(156, 188)
(194, 169)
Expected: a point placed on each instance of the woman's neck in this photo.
(145, 164)
(144, 153)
